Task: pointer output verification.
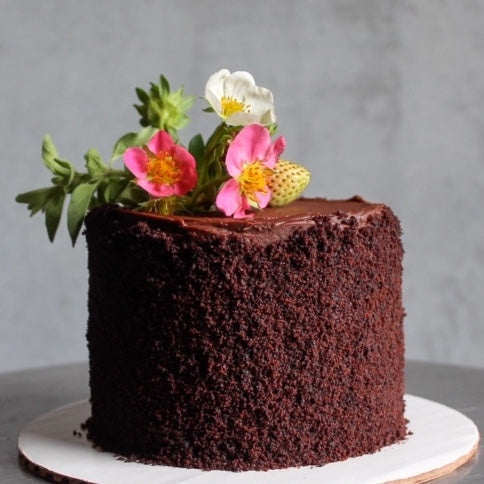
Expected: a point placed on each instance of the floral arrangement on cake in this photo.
(236, 171)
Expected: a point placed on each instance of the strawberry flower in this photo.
(250, 161)
(238, 101)
(162, 167)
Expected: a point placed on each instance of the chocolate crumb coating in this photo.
(253, 344)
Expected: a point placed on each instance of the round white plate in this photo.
(442, 439)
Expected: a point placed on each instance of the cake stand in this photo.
(441, 440)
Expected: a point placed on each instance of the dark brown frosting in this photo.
(269, 224)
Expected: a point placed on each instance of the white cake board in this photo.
(442, 439)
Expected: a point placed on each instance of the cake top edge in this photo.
(303, 211)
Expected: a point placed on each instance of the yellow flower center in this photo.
(255, 177)
(231, 105)
(163, 169)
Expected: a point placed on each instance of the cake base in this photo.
(441, 440)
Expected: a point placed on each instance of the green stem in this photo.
(212, 184)
(210, 148)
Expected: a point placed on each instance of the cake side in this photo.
(272, 345)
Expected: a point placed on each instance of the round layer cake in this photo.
(261, 343)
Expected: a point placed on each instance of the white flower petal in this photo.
(215, 83)
(268, 118)
(242, 119)
(260, 96)
(237, 87)
(256, 103)
(214, 101)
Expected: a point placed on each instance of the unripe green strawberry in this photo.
(288, 181)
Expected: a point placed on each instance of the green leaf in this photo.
(94, 164)
(114, 188)
(132, 139)
(63, 170)
(36, 200)
(196, 147)
(49, 151)
(52, 161)
(53, 210)
(78, 206)
(133, 195)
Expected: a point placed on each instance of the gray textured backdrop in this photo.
(380, 98)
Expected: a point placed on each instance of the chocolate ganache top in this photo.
(266, 225)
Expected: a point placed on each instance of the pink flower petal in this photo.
(275, 151)
(241, 212)
(183, 156)
(188, 167)
(155, 189)
(160, 141)
(229, 199)
(136, 160)
(250, 144)
(187, 181)
(263, 198)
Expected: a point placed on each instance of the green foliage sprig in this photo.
(160, 109)
(100, 184)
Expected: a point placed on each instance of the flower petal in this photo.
(214, 101)
(136, 160)
(239, 152)
(229, 199)
(260, 141)
(241, 118)
(161, 141)
(274, 152)
(269, 117)
(237, 84)
(240, 87)
(241, 212)
(260, 99)
(155, 189)
(263, 199)
(215, 84)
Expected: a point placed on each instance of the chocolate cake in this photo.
(236, 344)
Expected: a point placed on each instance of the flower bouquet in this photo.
(236, 171)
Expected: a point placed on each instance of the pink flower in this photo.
(162, 167)
(250, 160)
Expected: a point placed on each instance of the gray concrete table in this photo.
(27, 394)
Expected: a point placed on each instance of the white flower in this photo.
(238, 101)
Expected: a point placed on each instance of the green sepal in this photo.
(78, 207)
(162, 108)
(273, 129)
(164, 85)
(142, 95)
